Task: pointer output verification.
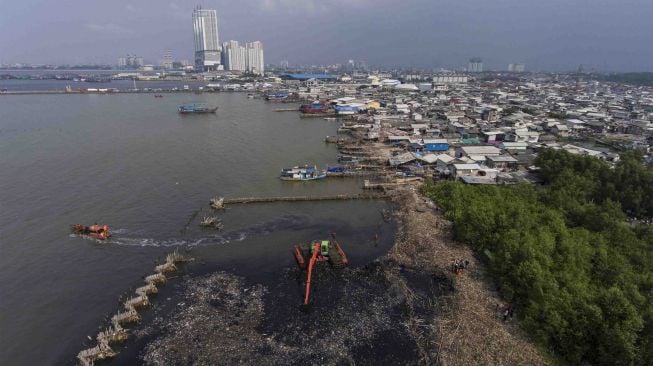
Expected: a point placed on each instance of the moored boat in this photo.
(348, 159)
(277, 96)
(347, 108)
(314, 108)
(196, 108)
(302, 173)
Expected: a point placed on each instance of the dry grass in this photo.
(466, 330)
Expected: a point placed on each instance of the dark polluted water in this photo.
(132, 162)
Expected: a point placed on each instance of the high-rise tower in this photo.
(234, 56)
(254, 61)
(207, 45)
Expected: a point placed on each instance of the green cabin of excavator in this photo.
(324, 247)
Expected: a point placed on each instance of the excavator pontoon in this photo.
(319, 251)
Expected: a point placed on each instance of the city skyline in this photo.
(554, 36)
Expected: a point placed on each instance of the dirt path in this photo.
(467, 328)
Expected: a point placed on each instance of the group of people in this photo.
(458, 266)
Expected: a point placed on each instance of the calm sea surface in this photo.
(132, 162)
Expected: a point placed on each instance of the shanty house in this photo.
(401, 159)
(560, 130)
(459, 170)
(501, 162)
(478, 150)
(436, 145)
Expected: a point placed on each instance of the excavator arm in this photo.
(316, 251)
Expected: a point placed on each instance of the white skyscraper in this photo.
(207, 45)
(254, 62)
(234, 56)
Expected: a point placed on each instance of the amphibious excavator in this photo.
(319, 251)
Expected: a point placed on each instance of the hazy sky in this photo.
(544, 34)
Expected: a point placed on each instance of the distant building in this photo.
(475, 65)
(207, 46)
(304, 77)
(361, 65)
(234, 56)
(167, 60)
(449, 79)
(245, 59)
(130, 62)
(516, 67)
(254, 61)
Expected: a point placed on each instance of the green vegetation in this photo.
(580, 276)
(629, 183)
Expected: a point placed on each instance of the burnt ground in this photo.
(357, 316)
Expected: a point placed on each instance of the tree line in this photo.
(579, 273)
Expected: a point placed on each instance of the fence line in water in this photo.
(115, 332)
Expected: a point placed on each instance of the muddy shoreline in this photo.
(405, 308)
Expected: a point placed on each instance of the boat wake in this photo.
(151, 242)
(288, 222)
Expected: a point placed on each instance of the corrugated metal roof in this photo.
(502, 158)
(467, 166)
(401, 159)
(436, 141)
(481, 150)
(429, 158)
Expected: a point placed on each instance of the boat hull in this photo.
(212, 110)
(319, 176)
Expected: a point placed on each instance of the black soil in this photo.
(356, 317)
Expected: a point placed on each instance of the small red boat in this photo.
(94, 231)
(314, 108)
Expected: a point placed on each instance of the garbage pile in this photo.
(357, 317)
